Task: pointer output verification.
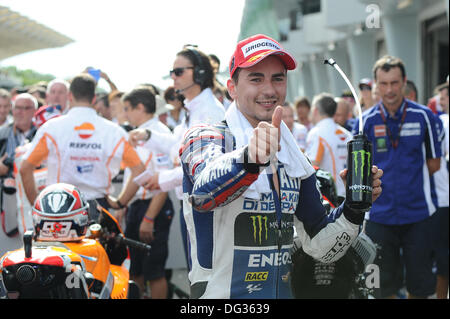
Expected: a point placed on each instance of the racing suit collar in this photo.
(294, 161)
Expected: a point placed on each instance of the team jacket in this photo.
(409, 194)
(240, 247)
(82, 149)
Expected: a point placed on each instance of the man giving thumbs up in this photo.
(240, 212)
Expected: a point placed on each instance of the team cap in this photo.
(255, 49)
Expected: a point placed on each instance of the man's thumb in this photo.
(276, 116)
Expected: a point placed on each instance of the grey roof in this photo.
(19, 34)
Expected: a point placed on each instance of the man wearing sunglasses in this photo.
(246, 184)
(193, 77)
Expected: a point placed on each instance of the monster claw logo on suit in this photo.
(260, 227)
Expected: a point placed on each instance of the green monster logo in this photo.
(356, 157)
(258, 227)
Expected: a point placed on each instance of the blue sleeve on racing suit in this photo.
(218, 174)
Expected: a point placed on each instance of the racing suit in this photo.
(240, 246)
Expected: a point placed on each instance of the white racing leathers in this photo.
(239, 246)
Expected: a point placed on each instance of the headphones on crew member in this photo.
(200, 73)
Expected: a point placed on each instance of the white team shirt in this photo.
(153, 159)
(82, 149)
(204, 108)
(326, 145)
(300, 132)
(441, 176)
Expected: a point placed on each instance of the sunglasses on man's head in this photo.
(179, 71)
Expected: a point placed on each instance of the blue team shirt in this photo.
(408, 194)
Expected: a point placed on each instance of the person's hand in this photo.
(265, 142)
(376, 181)
(146, 231)
(152, 184)
(176, 161)
(3, 168)
(104, 76)
(137, 135)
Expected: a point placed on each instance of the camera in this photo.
(8, 181)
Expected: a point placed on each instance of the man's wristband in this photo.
(149, 134)
(148, 219)
(252, 167)
(119, 204)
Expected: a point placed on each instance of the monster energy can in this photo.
(359, 175)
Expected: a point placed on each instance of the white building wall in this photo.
(360, 31)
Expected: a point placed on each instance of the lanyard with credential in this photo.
(394, 143)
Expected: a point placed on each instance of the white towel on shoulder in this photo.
(294, 160)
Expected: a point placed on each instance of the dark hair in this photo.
(235, 76)
(410, 86)
(103, 97)
(441, 87)
(215, 58)
(325, 103)
(170, 95)
(144, 95)
(388, 62)
(82, 87)
(200, 61)
(303, 100)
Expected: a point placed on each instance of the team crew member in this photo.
(406, 146)
(239, 211)
(150, 213)
(326, 143)
(193, 77)
(82, 149)
(298, 130)
(441, 223)
(57, 94)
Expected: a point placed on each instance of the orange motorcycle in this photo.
(68, 256)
